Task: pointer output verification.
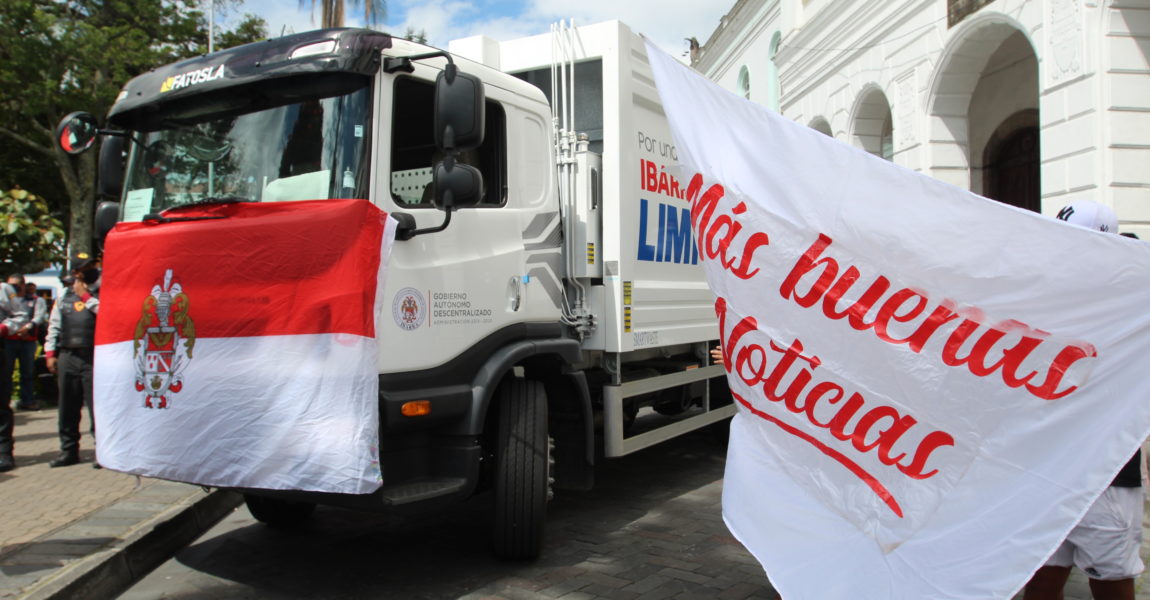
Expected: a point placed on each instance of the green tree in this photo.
(57, 56)
(419, 37)
(332, 11)
(30, 237)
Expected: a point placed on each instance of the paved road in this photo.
(650, 529)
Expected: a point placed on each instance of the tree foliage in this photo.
(58, 56)
(332, 11)
(30, 237)
(419, 37)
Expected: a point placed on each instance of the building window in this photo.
(745, 82)
(886, 138)
(873, 128)
(774, 92)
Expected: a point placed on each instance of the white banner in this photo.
(933, 387)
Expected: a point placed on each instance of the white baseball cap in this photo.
(1091, 215)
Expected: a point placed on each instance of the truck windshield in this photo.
(311, 150)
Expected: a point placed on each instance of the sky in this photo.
(667, 22)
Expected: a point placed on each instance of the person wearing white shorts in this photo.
(1106, 542)
(1105, 545)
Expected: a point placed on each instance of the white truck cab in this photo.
(544, 304)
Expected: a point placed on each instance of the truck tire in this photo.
(522, 470)
(280, 514)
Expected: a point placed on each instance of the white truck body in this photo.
(638, 238)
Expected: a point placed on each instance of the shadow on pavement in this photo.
(652, 521)
(87, 457)
(32, 557)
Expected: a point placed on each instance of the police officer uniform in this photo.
(71, 341)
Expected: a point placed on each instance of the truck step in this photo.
(425, 489)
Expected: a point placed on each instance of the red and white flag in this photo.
(932, 387)
(238, 348)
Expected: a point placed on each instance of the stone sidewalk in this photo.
(79, 532)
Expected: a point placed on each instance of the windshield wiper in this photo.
(215, 200)
(158, 217)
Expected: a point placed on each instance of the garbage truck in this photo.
(544, 305)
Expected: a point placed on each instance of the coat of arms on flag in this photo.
(163, 342)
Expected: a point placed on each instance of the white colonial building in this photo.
(1032, 102)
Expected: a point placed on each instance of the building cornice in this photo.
(834, 38)
(735, 33)
(741, 52)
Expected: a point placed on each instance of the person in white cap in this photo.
(1091, 215)
(1106, 542)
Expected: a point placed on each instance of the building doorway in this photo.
(1012, 162)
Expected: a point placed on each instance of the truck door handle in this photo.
(515, 292)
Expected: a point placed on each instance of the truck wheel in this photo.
(522, 470)
(277, 513)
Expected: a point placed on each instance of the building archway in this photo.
(1004, 126)
(821, 125)
(872, 127)
(989, 73)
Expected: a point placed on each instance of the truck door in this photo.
(447, 291)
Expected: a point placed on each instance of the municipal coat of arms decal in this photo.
(164, 338)
(408, 309)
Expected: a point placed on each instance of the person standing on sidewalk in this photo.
(1107, 541)
(13, 317)
(20, 345)
(69, 348)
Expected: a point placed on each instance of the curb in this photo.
(108, 572)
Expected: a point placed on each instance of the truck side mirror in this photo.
(456, 185)
(107, 213)
(110, 180)
(459, 110)
(77, 132)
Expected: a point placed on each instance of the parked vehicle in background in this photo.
(47, 283)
